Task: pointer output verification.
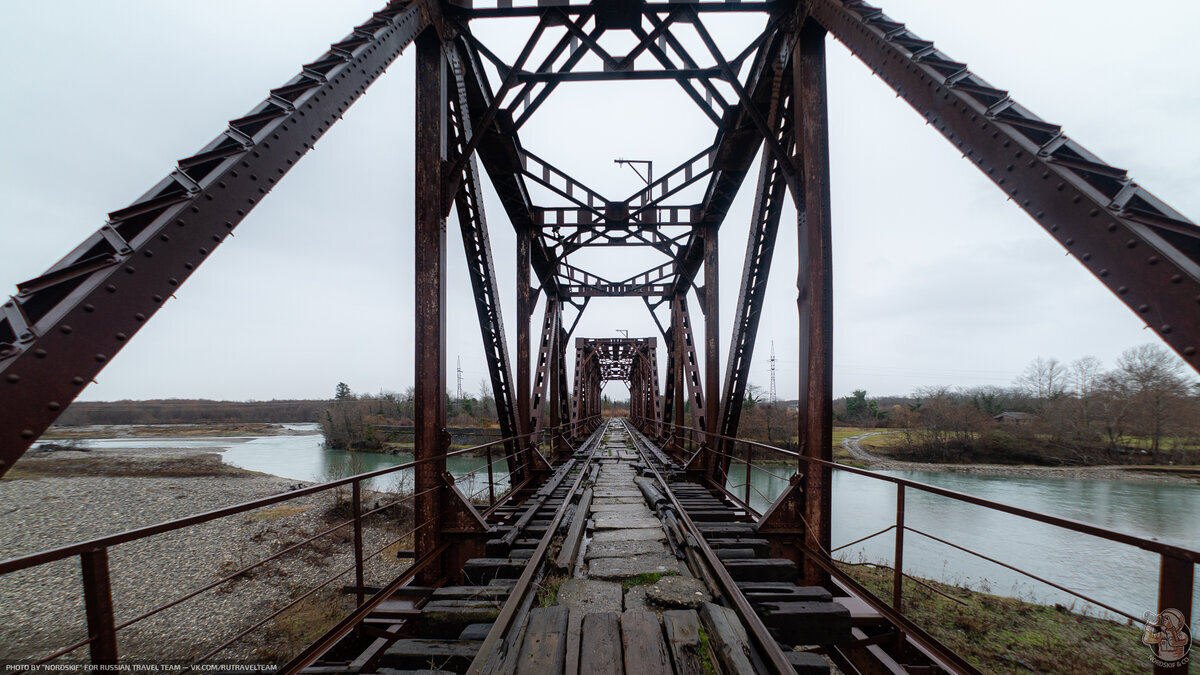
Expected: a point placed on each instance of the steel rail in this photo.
(309, 593)
(516, 598)
(767, 645)
(928, 644)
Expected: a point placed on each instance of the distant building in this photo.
(1018, 418)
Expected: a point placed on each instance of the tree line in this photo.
(355, 421)
(189, 411)
(1145, 409)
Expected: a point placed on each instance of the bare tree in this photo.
(1044, 379)
(1154, 376)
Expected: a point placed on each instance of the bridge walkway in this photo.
(597, 572)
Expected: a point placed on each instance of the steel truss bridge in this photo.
(767, 100)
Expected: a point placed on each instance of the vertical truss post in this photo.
(577, 393)
(525, 300)
(668, 390)
(677, 351)
(430, 437)
(712, 343)
(815, 284)
(563, 400)
(655, 406)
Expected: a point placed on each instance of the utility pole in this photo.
(771, 397)
(460, 396)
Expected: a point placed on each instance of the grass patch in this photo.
(298, 627)
(277, 512)
(645, 578)
(706, 661)
(192, 466)
(1006, 635)
(547, 592)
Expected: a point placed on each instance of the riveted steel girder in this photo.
(1144, 251)
(63, 327)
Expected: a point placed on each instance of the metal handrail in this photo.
(1058, 521)
(93, 553)
(1176, 575)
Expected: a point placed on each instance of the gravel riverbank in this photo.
(54, 499)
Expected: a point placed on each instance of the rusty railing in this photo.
(102, 628)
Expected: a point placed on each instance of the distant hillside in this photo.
(189, 411)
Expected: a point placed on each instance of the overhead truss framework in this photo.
(632, 361)
(765, 98)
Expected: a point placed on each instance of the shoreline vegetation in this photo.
(999, 634)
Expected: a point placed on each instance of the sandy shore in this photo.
(54, 499)
(1158, 474)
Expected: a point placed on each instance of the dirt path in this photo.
(853, 445)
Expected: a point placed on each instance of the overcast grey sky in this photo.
(937, 279)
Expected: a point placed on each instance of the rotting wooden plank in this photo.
(682, 627)
(806, 622)
(570, 548)
(544, 651)
(600, 645)
(645, 649)
(728, 638)
(410, 653)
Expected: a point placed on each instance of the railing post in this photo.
(492, 480)
(898, 559)
(1175, 579)
(97, 602)
(749, 460)
(356, 500)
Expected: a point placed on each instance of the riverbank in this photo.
(171, 431)
(54, 499)
(863, 457)
(1006, 635)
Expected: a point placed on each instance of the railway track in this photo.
(617, 564)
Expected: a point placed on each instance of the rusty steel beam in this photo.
(712, 334)
(738, 141)
(544, 376)
(687, 374)
(62, 328)
(815, 284)
(500, 152)
(1144, 251)
(769, 197)
(477, 245)
(430, 439)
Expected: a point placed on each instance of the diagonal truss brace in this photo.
(768, 207)
(71, 321)
(1140, 248)
(480, 266)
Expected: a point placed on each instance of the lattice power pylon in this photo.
(766, 99)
